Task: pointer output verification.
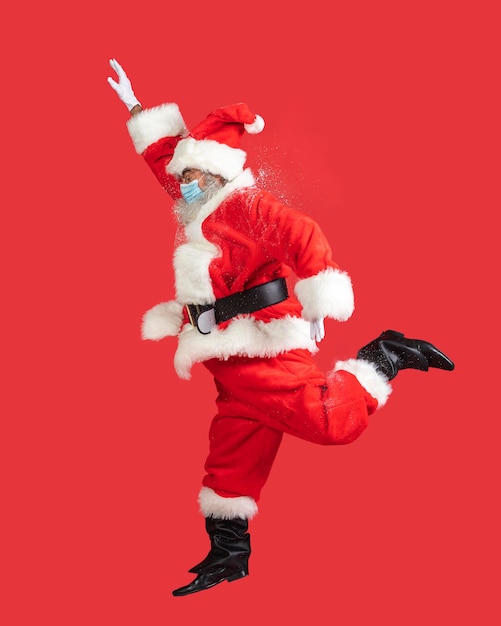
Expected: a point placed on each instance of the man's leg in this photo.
(241, 455)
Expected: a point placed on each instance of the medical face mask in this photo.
(191, 191)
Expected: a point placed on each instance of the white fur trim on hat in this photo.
(327, 294)
(150, 125)
(369, 377)
(209, 156)
(214, 505)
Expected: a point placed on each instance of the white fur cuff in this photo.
(213, 505)
(152, 124)
(327, 294)
(163, 320)
(368, 376)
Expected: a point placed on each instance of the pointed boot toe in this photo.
(392, 352)
(435, 357)
(208, 579)
(419, 354)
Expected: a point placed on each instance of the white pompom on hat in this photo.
(214, 144)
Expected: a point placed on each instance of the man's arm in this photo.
(147, 130)
(323, 289)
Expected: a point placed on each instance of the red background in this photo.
(382, 122)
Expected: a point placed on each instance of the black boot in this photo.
(228, 557)
(392, 352)
(210, 527)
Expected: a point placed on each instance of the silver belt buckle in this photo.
(202, 316)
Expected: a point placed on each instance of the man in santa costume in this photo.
(233, 312)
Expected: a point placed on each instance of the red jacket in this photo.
(242, 237)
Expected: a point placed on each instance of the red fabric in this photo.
(157, 155)
(225, 125)
(258, 238)
(260, 399)
(249, 229)
(257, 235)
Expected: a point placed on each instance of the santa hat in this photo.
(214, 144)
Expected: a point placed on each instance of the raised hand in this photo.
(123, 87)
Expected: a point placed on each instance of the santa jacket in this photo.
(242, 237)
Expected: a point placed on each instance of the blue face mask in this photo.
(191, 191)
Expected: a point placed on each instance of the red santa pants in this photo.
(259, 399)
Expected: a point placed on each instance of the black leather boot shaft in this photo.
(228, 557)
(392, 352)
(210, 527)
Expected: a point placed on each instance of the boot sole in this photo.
(186, 591)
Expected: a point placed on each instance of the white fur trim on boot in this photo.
(213, 505)
(369, 377)
(327, 294)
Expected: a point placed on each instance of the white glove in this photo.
(317, 330)
(123, 87)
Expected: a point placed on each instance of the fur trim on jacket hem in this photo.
(245, 336)
(163, 320)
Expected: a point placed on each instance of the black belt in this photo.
(247, 301)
